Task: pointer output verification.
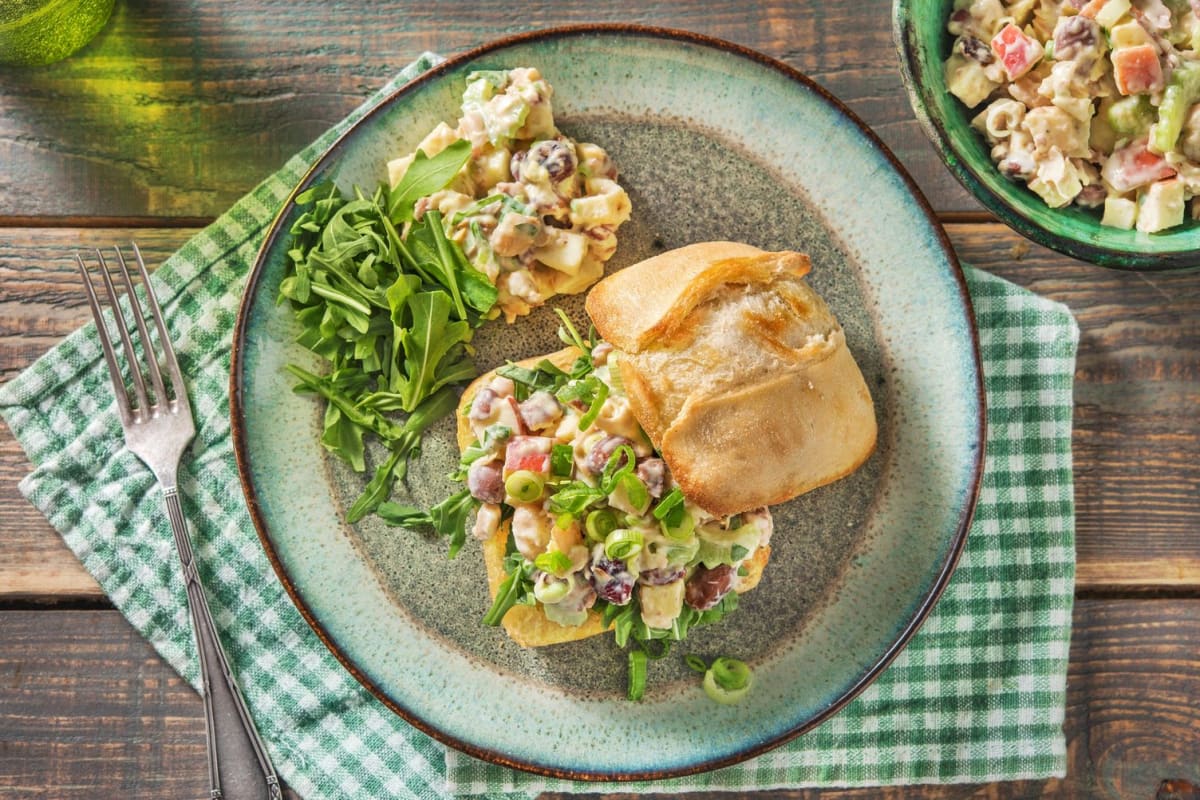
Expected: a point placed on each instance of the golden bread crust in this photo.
(730, 359)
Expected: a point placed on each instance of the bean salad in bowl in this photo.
(1074, 121)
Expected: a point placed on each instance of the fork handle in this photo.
(238, 765)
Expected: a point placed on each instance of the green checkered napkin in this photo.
(978, 695)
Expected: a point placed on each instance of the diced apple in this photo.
(1106, 12)
(1119, 213)
(1134, 166)
(1128, 34)
(1137, 69)
(564, 252)
(530, 453)
(1017, 52)
(1160, 206)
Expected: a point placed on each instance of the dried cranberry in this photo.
(611, 579)
(660, 576)
(653, 473)
(556, 158)
(602, 451)
(1074, 34)
(707, 586)
(976, 50)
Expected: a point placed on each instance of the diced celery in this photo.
(1131, 116)
(1183, 89)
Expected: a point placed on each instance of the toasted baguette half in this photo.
(733, 363)
(527, 625)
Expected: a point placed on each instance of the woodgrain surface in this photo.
(180, 106)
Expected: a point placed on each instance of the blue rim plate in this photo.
(714, 141)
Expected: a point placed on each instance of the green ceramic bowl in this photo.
(919, 27)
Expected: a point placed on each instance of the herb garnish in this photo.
(391, 303)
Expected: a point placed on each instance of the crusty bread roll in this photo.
(527, 625)
(738, 372)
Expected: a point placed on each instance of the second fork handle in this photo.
(238, 765)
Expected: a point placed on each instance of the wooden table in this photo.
(181, 106)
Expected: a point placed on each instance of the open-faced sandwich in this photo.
(623, 482)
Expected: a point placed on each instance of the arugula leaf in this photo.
(574, 498)
(380, 486)
(449, 517)
(434, 349)
(426, 175)
(393, 313)
(516, 587)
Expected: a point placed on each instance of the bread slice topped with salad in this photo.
(563, 454)
(602, 471)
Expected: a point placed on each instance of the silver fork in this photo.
(158, 426)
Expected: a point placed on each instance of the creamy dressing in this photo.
(533, 210)
(615, 548)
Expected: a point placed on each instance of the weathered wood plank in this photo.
(1137, 439)
(1137, 390)
(41, 301)
(178, 108)
(90, 710)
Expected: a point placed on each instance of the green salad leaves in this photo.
(391, 304)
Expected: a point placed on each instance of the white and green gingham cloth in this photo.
(978, 695)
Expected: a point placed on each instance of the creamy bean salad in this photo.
(533, 210)
(596, 520)
(1089, 102)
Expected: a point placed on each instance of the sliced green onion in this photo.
(593, 411)
(563, 521)
(738, 552)
(600, 523)
(551, 591)
(614, 468)
(623, 543)
(672, 501)
(561, 460)
(524, 486)
(614, 373)
(568, 333)
(556, 562)
(730, 673)
(682, 529)
(637, 674)
(681, 554)
(728, 680)
(695, 663)
(635, 491)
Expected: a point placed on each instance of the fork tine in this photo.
(110, 358)
(139, 385)
(173, 370)
(139, 320)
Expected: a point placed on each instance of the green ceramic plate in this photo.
(923, 44)
(713, 141)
